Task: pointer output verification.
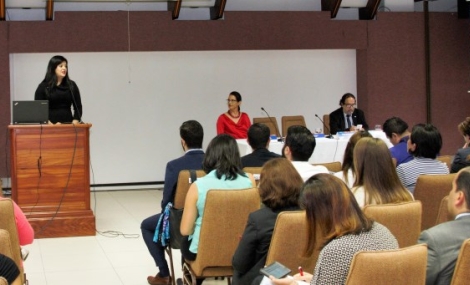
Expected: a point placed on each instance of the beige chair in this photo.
(326, 124)
(223, 223)
(289, 242)
(389, 267)
(402, 219)
(182, 187)
(288, 121)
(331, 166)
(430, 189)
(461, 271)
(447, 159)
(8, 223)
(271, 122)
(443, 215)
(256, 171)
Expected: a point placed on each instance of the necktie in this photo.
(349, 124)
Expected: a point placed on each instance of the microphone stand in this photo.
(330, 136)
(280, 139)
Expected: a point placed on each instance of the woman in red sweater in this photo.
(234, 122)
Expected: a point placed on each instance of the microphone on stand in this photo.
(274, 124)
(330, 136)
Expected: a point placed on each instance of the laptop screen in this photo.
(30, 112)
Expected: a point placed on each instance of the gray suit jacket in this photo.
(444, 242)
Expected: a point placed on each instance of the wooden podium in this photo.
(50, 178)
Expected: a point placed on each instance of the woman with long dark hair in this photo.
(61, 92)
(222, 164)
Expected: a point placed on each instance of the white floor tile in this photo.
(117, 256)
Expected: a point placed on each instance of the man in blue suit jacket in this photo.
(347, 117)
(444, 240)
(192, 134)
(258, 139)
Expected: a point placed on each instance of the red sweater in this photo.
(239, 130)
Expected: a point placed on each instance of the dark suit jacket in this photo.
(190, 160)
(338, 124)
(258, 157)
(460, 160)
(252, 250)
(444, 242)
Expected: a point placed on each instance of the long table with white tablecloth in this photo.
(326, 150)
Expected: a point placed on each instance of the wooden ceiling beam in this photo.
(50, 10)
(369, 12)
(217, 11)
(2, 10)
(175, 8)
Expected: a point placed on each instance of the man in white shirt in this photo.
(444, 240)
(298, 148)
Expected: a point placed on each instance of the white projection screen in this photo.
(136, 101)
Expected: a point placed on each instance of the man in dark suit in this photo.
(347, 117)
(444, 240)
(192, 134)
(258, 139)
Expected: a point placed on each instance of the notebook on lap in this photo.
(30, 112)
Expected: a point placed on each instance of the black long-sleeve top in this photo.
(61, 98)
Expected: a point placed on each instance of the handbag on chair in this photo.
(175, 220)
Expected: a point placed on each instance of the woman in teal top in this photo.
(223, 167)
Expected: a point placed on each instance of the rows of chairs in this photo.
(214, 258)
(405, 221)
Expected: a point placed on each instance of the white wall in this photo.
(136, 101)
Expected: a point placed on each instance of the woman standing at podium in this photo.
(61, 92)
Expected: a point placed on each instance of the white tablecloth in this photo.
(326, 150)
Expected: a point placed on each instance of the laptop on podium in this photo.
(32, 112)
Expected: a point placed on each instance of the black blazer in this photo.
(252, 250)
(338, 124)
(460, 160)
(258, 157)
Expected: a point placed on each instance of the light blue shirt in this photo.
(204, 184)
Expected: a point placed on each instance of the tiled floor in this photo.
(103, 259)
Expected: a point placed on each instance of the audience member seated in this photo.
(347, 117)
(424, 144)
(191, 133)
(444, 240)
(279, 190)
(298, 148)
(223, 167)
(25, 230)
(330, 204)
(234, 122)
(347, 167)
(258, 139)
(9, 270)
(397, 132)
(462, 157)
(376, 179)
